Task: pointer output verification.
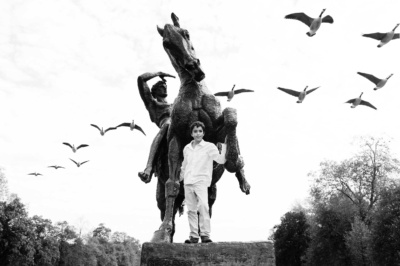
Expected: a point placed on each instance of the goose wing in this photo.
(309, 91)
(327, 19)
(110, 128)
(301, 17)
(351, 101)
(291, 92)
(222, 93)
(242, 90)
(84, 162)
(140, 129)
(35, 174)
(93, 125)
(69, 145)
(367, 104)
(74, 162)
(82, 146)
(377, 35)
(369, 77)
(54, 166)
(124, 125)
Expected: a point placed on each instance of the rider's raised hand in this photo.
(162, 75)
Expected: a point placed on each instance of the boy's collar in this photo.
(201, 143)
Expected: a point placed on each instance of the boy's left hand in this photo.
(219, 146)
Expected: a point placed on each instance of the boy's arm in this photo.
(216, 156)
(182, 174)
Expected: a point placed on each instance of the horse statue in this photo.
(194, 103)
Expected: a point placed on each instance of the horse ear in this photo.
(161, 31)
(175, 19)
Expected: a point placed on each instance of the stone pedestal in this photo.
(216, 253)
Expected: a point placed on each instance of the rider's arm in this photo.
(144, 89)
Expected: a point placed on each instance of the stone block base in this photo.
(216, 253)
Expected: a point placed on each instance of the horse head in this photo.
(177, 44)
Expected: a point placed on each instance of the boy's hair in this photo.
(197, 124)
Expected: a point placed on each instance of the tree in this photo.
(3, 186)
(127, 249)
(65, 235)
(329, 223)
(16, 235)
(102, 233)
(358, 242)
(46, 245)
(386, 228)
(361, 178)
(291, 239)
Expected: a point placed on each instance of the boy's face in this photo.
(197, 134)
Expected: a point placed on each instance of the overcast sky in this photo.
(66, 64)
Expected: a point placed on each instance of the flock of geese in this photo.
(74, 148)
(313, 24)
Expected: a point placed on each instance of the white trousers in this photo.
(196, 198)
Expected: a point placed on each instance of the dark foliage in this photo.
(34, 241)
(386, 229)
(291, 239)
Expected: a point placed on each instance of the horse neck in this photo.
(191, 87)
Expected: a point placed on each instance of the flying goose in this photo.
(102, 131)
(232, 92)
(358, 101)
(132, 126)
(35, 174)
(79, 163)
(313, 23)
(378, 82)
(55, 166)
(384, 37)
(300, 94)
(73, 146)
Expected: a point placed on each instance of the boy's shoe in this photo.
(205, 239)
(192, 240)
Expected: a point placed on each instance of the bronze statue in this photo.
(193, 103)
(159, 111)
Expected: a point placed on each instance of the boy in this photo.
(196, 171)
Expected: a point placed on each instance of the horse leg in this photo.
(234, 161)
(164, 233)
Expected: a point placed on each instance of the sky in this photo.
(67, 64)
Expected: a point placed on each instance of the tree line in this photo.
(353, 215)
(35, 241)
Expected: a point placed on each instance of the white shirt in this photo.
(197, 162)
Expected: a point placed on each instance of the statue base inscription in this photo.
(216, 253)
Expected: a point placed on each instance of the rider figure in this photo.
(160, 113)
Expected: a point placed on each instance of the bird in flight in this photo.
(358, 101)
(383, 37)
(132, 126)
(102, 131)
(35, 174)
(79, 163)
(55, 166)
(299, 94)
(73, 146)
(232, 92)
(312, 23)
(378, 82)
